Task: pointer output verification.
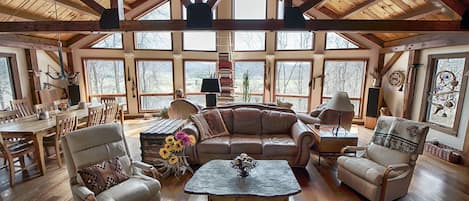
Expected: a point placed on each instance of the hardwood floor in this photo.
(434, 180)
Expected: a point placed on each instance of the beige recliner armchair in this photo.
(385, 170)
(90, 146)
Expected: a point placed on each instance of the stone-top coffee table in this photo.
(271, 180)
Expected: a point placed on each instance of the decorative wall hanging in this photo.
(444, 94)
(397, 79)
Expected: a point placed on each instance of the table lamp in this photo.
(340, 102)
(211, 86)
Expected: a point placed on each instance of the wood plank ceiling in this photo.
(35, 10)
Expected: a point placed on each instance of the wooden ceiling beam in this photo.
(390, 63)
(140, 7)
(308, 4)
(94, 5)
(419, 13)
(77, 7)
(426, 41)
(338, 25)
(359, 8)
(213, 3)
(453, 5)
(22, 14)
(29, 42)
(374, 39)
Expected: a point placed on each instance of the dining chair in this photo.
(13, 152)
(61, 104)
(23, 106)
(38, 108)
(110, 112)
(95, 115)
(65, 123)
(8, 116)
(108, 99)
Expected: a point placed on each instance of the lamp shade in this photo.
(340, 102)
(211, 85)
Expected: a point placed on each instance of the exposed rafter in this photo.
(22, 14)
(359, 8)
(94, 5)
(419, 13)
(338, 25)
(391, 63)
(213, 3)
(77, 7)
(426, 41)
(29, 42)
(308, 4)
(374, 39)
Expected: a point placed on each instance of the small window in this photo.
(155, 40)
(7, 90)
(295, 40)
(155, 84)
(446, 89)
(200, 41)
(348, 76)
(335, 41)
(253, 71)
(194, 72)
(113, 41)
(250, 9)
(249, 41)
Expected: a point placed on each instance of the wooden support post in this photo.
(414, 57)
(390, 63)
(33, 68)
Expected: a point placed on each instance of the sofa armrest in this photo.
(303, 138)
(352, 149)
(83, 193)
(308, 119)
(191, 129)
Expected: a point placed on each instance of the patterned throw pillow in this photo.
(103, 176)
(210, 124)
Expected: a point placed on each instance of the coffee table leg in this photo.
(39, 152)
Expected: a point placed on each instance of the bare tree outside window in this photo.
(155, 84)
(292, 83)
(295, 40)
(335, 41)
(249, 41)
(155, 40)
(113, 41)
(194, 72)
(6, 83)
(255, 72)
(200, 41)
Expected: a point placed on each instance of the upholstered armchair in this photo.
(385, 169)
(93, 145)
(182, 109)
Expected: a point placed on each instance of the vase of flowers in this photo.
(173, 159)
(243, 164)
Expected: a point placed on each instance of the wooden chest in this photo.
(152, 139)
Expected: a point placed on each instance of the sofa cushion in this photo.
(364, 168)
(275, 122)
(278, 145)
(211, 123)
(103, 176)
(217, 145)
(250, 144)
(247, 121)
(227, 115)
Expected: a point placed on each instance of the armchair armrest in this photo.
(351, 149)
(397, 167)
(191, 129)
(83, 193)
(147, 167)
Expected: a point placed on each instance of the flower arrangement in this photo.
(243, 163)
(173, 160)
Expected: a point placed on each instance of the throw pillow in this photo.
(210, 124)
(103, 176)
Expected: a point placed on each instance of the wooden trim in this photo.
(425, 41)
(454, 5)
(140, 94)
(30, 42)
(336, 25)
(34, 81)
(391, 63)
(414, 58)
(15, 76)
(308, 4)
(419, 12)
(465, 150)
(265, 71)
(428, 84)
(94, 5)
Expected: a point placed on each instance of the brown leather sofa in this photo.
(263, 132)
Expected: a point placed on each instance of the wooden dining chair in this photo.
(110, 112)
(8, 116)
(23, 106)
(108, 99)
(65, 123)
(38, 108)
(61, 104)
(13, 152)
(95, 115)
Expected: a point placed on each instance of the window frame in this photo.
(265, 75)
(141, 94)
(362, 95)
(184, 73)
(313, 40)
(359, 46)
(134, 44)
(86, 81)
(90, 45)
(14, 74)
(310, 90)
(429, 75)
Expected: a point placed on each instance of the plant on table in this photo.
(173, 160)
(243, 164)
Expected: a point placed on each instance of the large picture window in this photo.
(105, 77)
(244, 10)
(155, 84)
(194, 72)
(253, 72)
(7, 90)
(292, 80)
(155, 40)
(347, 76)
(446, 86)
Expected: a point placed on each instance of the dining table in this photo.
(35, 129)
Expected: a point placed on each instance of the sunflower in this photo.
(169, 139)
(173, 160)
(164, 153)
(178, 146)
(167, 146)
(192, 139)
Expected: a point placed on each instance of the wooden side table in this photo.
(152, 139)
(327, 143)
